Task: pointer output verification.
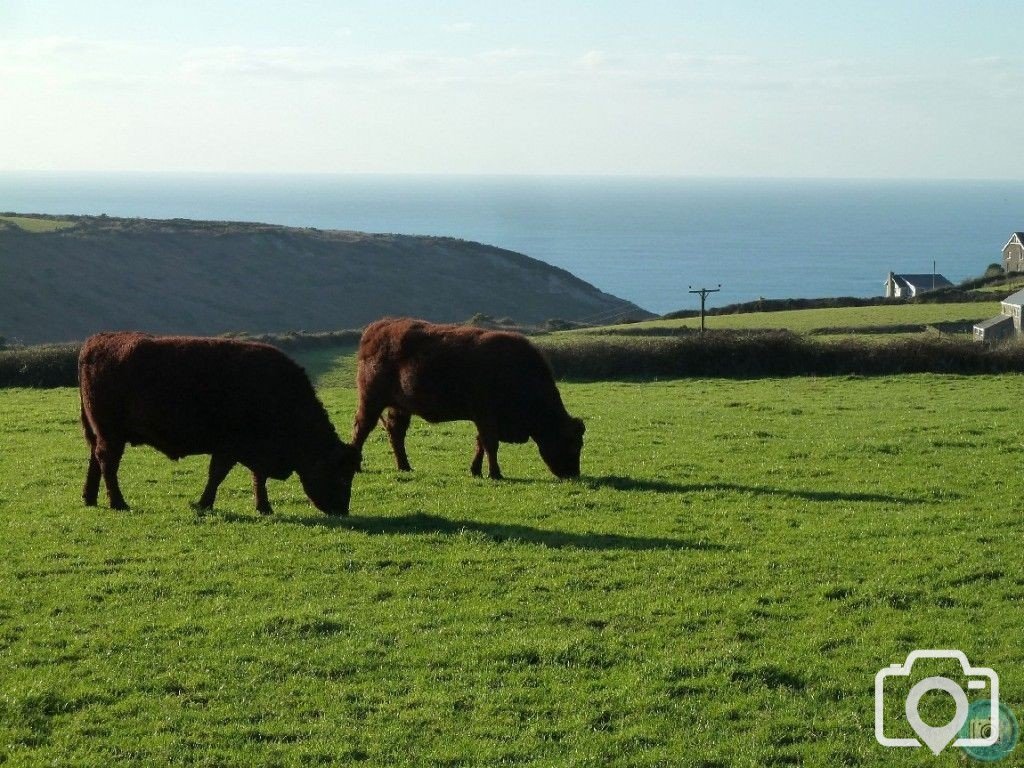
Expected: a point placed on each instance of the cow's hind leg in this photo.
(396, 422)
(220, 465)
(259, 490)
(91, 489)
(108, 455)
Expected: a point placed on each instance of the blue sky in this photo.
(867, 89)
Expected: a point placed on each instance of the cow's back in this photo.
(448, 372)
(186, 395)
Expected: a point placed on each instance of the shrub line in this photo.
(715, 354)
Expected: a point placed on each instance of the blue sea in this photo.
(643, 239)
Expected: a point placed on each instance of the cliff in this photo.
(65, 277)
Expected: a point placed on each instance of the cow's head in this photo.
(561, 448)
(328, 483)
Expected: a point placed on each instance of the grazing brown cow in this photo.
(240, 402)
(495, 379)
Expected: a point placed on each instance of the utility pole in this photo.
(703, 296)
(933, 275)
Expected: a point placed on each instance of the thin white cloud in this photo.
(718, 60)
(460, 27)
(55, 60)
(514, 55)
(240, 60)
(592, 60)
(52, 60)
(55, 47)
(392, 69)
(992, 61)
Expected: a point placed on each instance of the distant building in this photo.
(1006, 323)
(1013, 253)
(909, 286)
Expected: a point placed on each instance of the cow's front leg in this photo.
(477, 466)
(259, 490)
(367, 415)
(396, 422)
(489, 439)
(219, 467)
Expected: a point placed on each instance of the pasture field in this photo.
(718, 590)
(1002, 290)
(37, 223)
(806, 320)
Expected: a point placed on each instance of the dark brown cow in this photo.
(240, 402)
(495, 379)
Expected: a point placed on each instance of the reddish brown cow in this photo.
(495, 379)
(240, 402)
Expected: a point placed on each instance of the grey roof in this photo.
(923, 282)
(994, 321)
(1015, 298)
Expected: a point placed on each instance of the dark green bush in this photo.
(44, 366)
(719, 353)
(754, 354)
(304, 340)
(56, 365)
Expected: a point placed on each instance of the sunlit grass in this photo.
(719, 589)
(37, 224)
(804, 320)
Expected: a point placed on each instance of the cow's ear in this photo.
(579, 427)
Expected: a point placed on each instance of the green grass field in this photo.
(720, 588)
(1002, 290)
(804, 320)
(37, 223)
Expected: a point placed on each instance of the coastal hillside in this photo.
(65, 277)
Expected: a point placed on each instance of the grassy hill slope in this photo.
(64, 278)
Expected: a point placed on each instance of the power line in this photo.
(703, 296)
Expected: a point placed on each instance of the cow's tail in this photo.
(90, 434)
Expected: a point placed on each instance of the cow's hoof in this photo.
(265, 510)
(120, 506)
(89, 502)
(496, 476)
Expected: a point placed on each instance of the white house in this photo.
(1013, 253)
(909, 286)
(1006, 323)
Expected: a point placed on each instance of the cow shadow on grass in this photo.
(620, 483)
(421, 523)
